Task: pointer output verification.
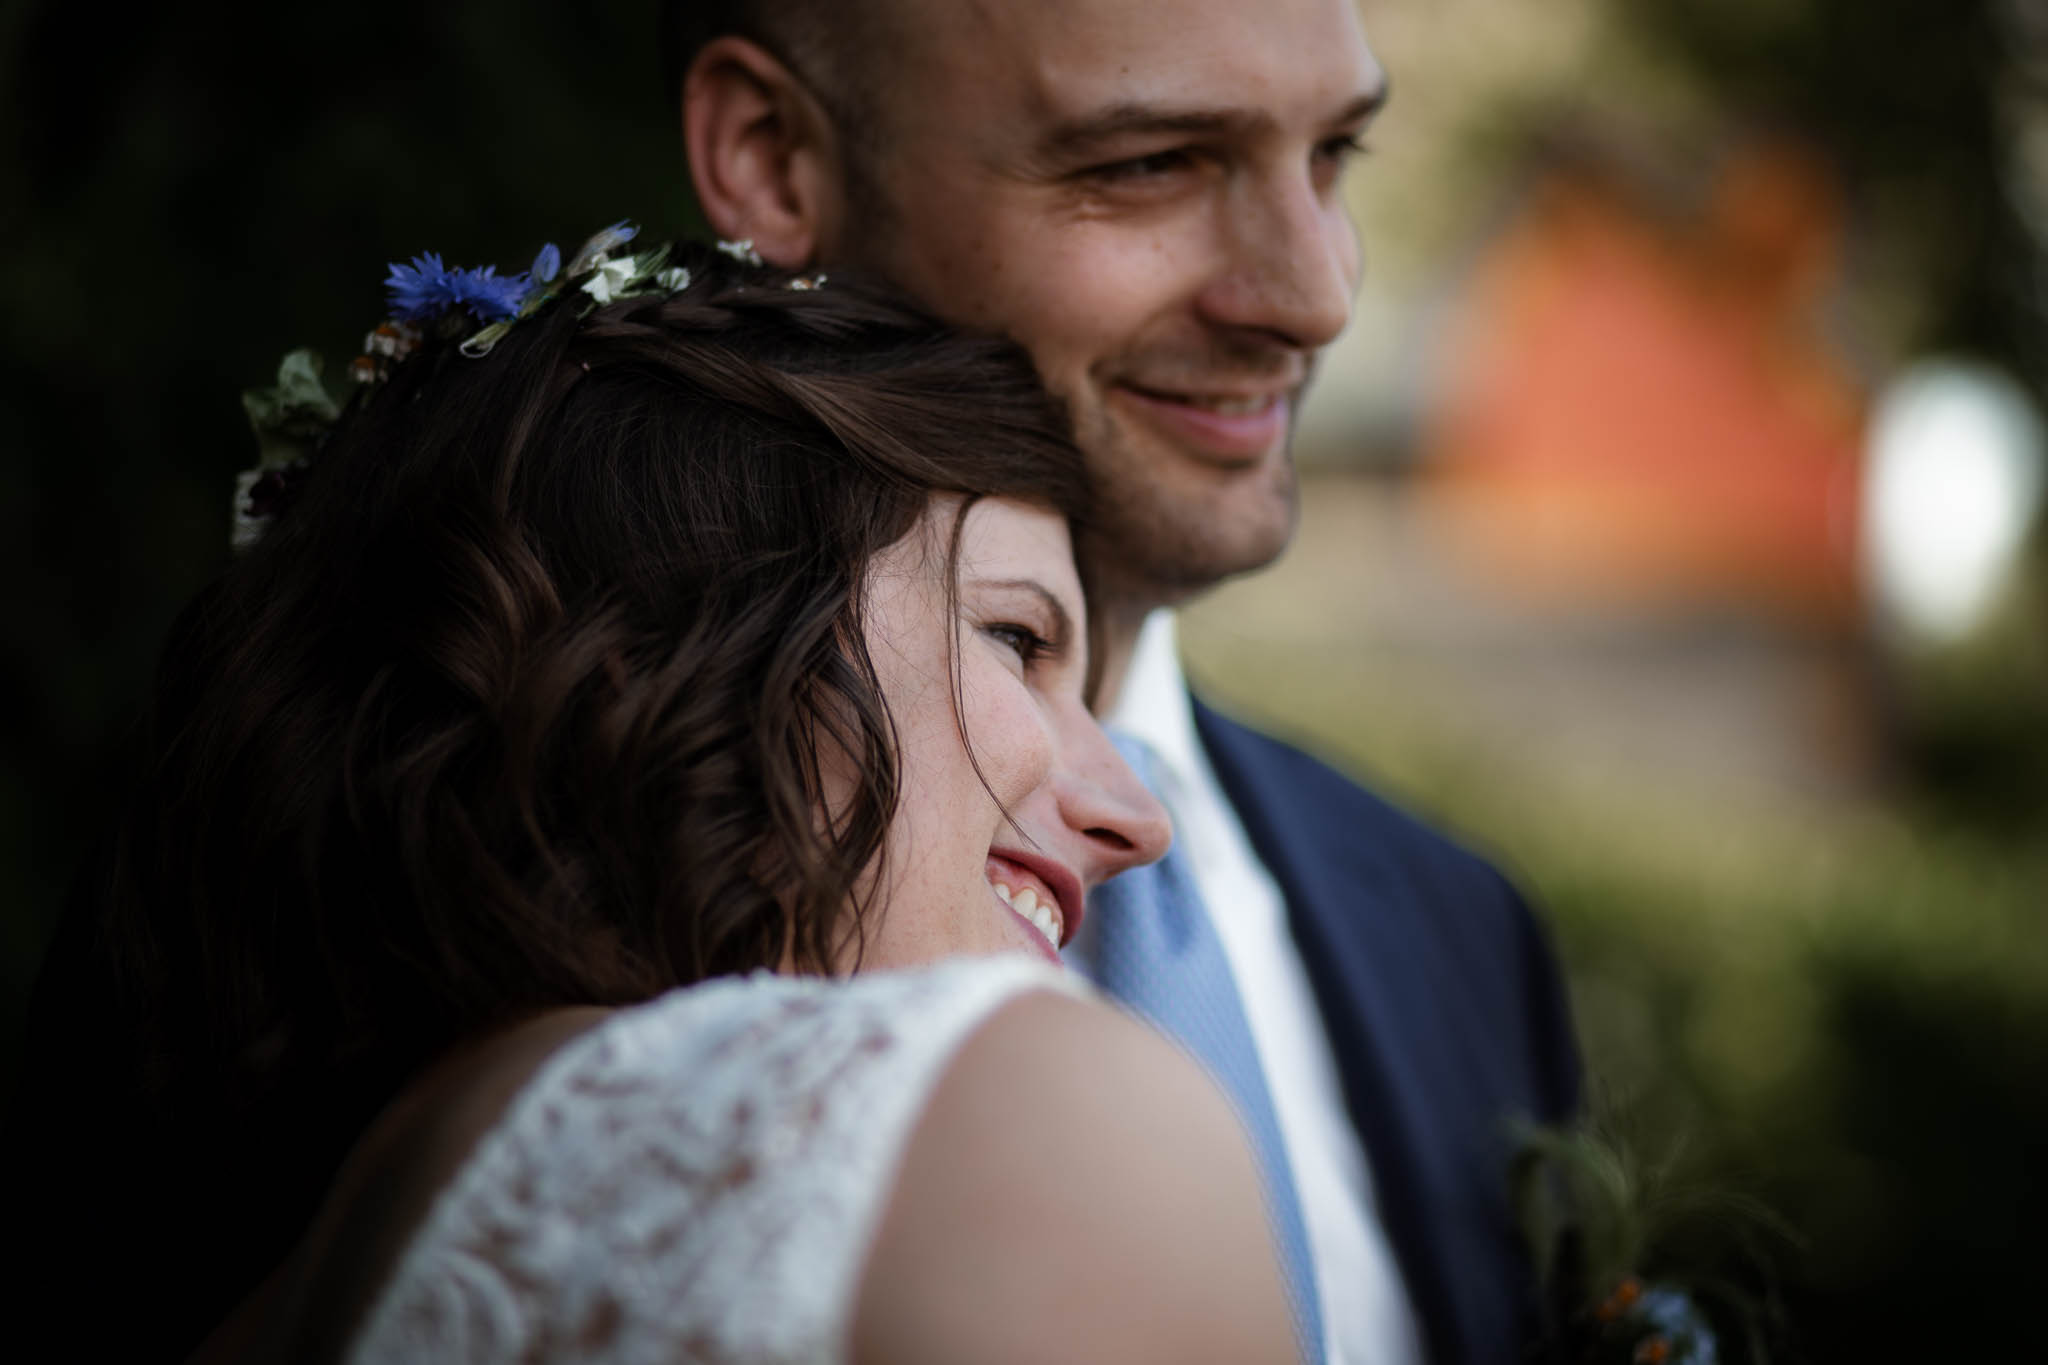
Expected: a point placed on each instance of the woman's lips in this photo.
(1040, 893)
(1042, 916)
(1031, 933)
(1231, 428)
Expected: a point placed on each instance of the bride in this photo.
(596, 887)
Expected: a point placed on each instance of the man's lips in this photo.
(1232, 425)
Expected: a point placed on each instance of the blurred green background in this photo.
(1795, 861)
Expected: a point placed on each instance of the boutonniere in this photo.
(1637, 1265)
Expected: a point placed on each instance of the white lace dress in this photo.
(697, 1179)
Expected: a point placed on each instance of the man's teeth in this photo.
(1043, 915)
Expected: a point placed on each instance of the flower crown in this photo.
(293, 418)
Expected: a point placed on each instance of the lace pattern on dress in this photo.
(697, 1179)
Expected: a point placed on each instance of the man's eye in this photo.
(1333, 156)
(1341, 151)
(1142, 167)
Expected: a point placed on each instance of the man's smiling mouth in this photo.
(1228, 404)
(1230, 427)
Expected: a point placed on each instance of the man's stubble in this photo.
(1155, 542)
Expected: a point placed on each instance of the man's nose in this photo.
(1122, 823)
(1290, 262)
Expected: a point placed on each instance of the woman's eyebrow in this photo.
(1063, 621)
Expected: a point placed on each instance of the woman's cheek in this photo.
(1011, 733)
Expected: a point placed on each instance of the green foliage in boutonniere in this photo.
(1636, 1265)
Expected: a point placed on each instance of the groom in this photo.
(1146, 194)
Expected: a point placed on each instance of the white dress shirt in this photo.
(1367, 1319)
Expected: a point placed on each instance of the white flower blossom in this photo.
(610, 279)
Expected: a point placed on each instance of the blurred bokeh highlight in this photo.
(1671, 526)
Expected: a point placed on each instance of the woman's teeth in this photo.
(1044, 916)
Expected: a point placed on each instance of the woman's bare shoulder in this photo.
(1076, 1190)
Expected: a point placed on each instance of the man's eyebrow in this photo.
(1083, 133)
(1087, 131)
(1367, 106)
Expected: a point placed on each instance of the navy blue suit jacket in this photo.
(1445, 1014)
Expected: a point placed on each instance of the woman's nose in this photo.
(1099, 796)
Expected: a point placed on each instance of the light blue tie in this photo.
(1148, 942)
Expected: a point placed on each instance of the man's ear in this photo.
(763, 153)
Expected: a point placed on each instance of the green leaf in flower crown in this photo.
(290, 419)
(648, 265)
(480, 344)
(599, 248)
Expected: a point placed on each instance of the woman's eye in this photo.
(1026, 643)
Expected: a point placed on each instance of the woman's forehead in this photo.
(1004, 539)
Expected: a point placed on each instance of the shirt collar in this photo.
(1154, 706)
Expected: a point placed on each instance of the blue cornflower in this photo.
(489, 296)
(540, 277)
(427, 288)
(546, 264)
(416, 290)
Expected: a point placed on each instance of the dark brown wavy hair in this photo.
(521, 704)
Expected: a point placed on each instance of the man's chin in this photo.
(1172, 520)
(1165, 555)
